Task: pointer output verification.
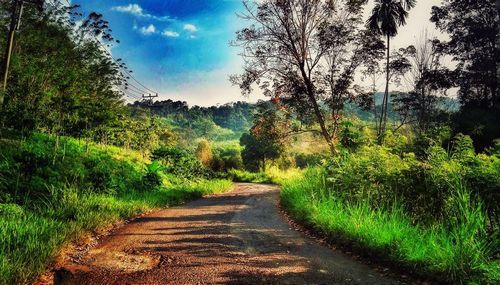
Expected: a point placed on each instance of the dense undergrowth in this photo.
(436, 215)
(53, 191)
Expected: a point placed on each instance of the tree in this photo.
(62, 80)
(427, 82)
(386, 17)
(305, 53)
(267, 138)
(472, 27)
(204, 152)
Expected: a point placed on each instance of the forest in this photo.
(408, 176)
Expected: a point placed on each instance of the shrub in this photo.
(304, 160)
(350, 137)
(79, 191)
(180, 162)
(204, 152)
(424, 187)
(152, 178)
(11, 211)
(230, 154)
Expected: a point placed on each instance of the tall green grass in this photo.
(457, 251)
(31, 238)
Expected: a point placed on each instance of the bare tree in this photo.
(306, 53)
(426, 81)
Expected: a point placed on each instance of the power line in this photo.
(135, 95)
(120, 65)
(134, 92)
(125, 70)
(133, 87)
(130, 96)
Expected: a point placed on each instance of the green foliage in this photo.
(11, 211)
(471, 31)
(230, 154)
(381, 175)
(152, 178)
(304, 160)
(350, 137)
(43, 161)
(180, 162)
(60, 80)
(266, 139)
(235, 117)
(204, 153)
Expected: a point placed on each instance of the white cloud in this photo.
(138, 11)
(190, 27)
(170, 34)
(133, 9)
(151, 29)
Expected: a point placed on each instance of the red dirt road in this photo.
(238, 237)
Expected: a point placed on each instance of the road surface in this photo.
(239, 237)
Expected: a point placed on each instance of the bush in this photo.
(377, 174)
(204, 152)
(152, 178)
(180, 162)
(272, 175)
(304, 160)
(230, 155)
(11, 211)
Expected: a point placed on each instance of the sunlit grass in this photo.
(456, 252)
(30, 239)
(272, 175)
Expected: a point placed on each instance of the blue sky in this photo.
(180, 48)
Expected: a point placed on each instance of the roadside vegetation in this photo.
(50, 198)
(435, 215)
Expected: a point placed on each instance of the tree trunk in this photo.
(383, 115)
(317, 111)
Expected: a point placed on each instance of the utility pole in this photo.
(15, 22)
(149, 98)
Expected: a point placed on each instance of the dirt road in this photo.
(235, 238)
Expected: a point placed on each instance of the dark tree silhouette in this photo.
(472, 27)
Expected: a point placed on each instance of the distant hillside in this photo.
(238, 116)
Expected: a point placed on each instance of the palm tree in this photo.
(386, 17)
